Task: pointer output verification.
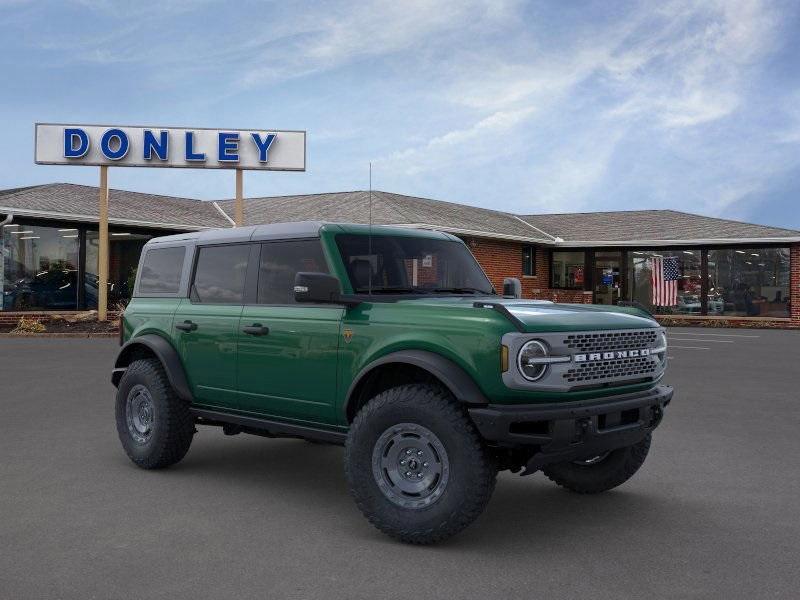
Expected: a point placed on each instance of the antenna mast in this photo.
(369, 252)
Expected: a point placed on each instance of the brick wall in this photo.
(13, 317)
(501, 259)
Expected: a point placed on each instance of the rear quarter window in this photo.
(161, 271)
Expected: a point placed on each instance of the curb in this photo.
(58, 335)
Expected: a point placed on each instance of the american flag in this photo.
(665, 280)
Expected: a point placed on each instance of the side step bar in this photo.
(268, 427)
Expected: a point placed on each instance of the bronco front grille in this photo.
(619, 368)
(606, 341)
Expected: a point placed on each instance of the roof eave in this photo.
(681, 242)
(473, 232)
(94, 219)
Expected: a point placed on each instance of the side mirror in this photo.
(319, 288)
(512, 288)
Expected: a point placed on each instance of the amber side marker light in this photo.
(504, 358)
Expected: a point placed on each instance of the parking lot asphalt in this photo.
(714, 512)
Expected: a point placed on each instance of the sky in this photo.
(528, 107)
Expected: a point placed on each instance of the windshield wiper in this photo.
(460, 290)
(390, 290)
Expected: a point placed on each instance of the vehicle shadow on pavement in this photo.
(314, 473)
(529, 512)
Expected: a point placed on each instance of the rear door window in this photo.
(220, 274)
(161, 271)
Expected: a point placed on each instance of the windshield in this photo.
(410, 265)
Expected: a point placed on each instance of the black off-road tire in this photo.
(171, 424)
(469, 478)
(613, 470)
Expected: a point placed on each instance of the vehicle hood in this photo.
(538, 316)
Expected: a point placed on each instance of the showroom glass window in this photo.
(39, 268)
(686, 299)
(568, 270)
(124, 248)
(747, 282)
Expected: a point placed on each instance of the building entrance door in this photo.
(607, 277)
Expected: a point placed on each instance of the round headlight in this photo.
(528, 360)
(663, 344)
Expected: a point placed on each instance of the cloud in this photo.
(581, 104)
(327, 39)
(693, 69)
(463, 146)
(546, 106)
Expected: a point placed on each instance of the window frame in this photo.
(588, 262)
(533, 260)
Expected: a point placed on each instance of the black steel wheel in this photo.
(410, 465)
(139, 413)
(416, 466)
(153, 424)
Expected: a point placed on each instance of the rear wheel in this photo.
(600, 473)
(153, 424)
(416, 466)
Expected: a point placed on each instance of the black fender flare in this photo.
(458, 381)
(165, 353)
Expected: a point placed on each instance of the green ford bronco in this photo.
(393, 343)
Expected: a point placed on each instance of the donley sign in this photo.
(178, 147)
(120, 146)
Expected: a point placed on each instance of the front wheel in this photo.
(600, 473)
(416, 466)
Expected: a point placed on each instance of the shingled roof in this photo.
(388, 209)
(67, 201)
(72, 202)
(652, 226)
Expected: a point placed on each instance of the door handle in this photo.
(256, 329)
(186, 326)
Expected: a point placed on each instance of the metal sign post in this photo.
(176, 147)
(102, 255)
(238, 213)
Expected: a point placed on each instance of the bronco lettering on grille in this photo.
(594, 356)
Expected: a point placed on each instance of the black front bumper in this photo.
(562, 432)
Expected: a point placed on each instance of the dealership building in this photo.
(721, 272)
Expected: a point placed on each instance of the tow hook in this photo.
(581, 427)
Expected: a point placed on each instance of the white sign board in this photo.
(182, 147)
